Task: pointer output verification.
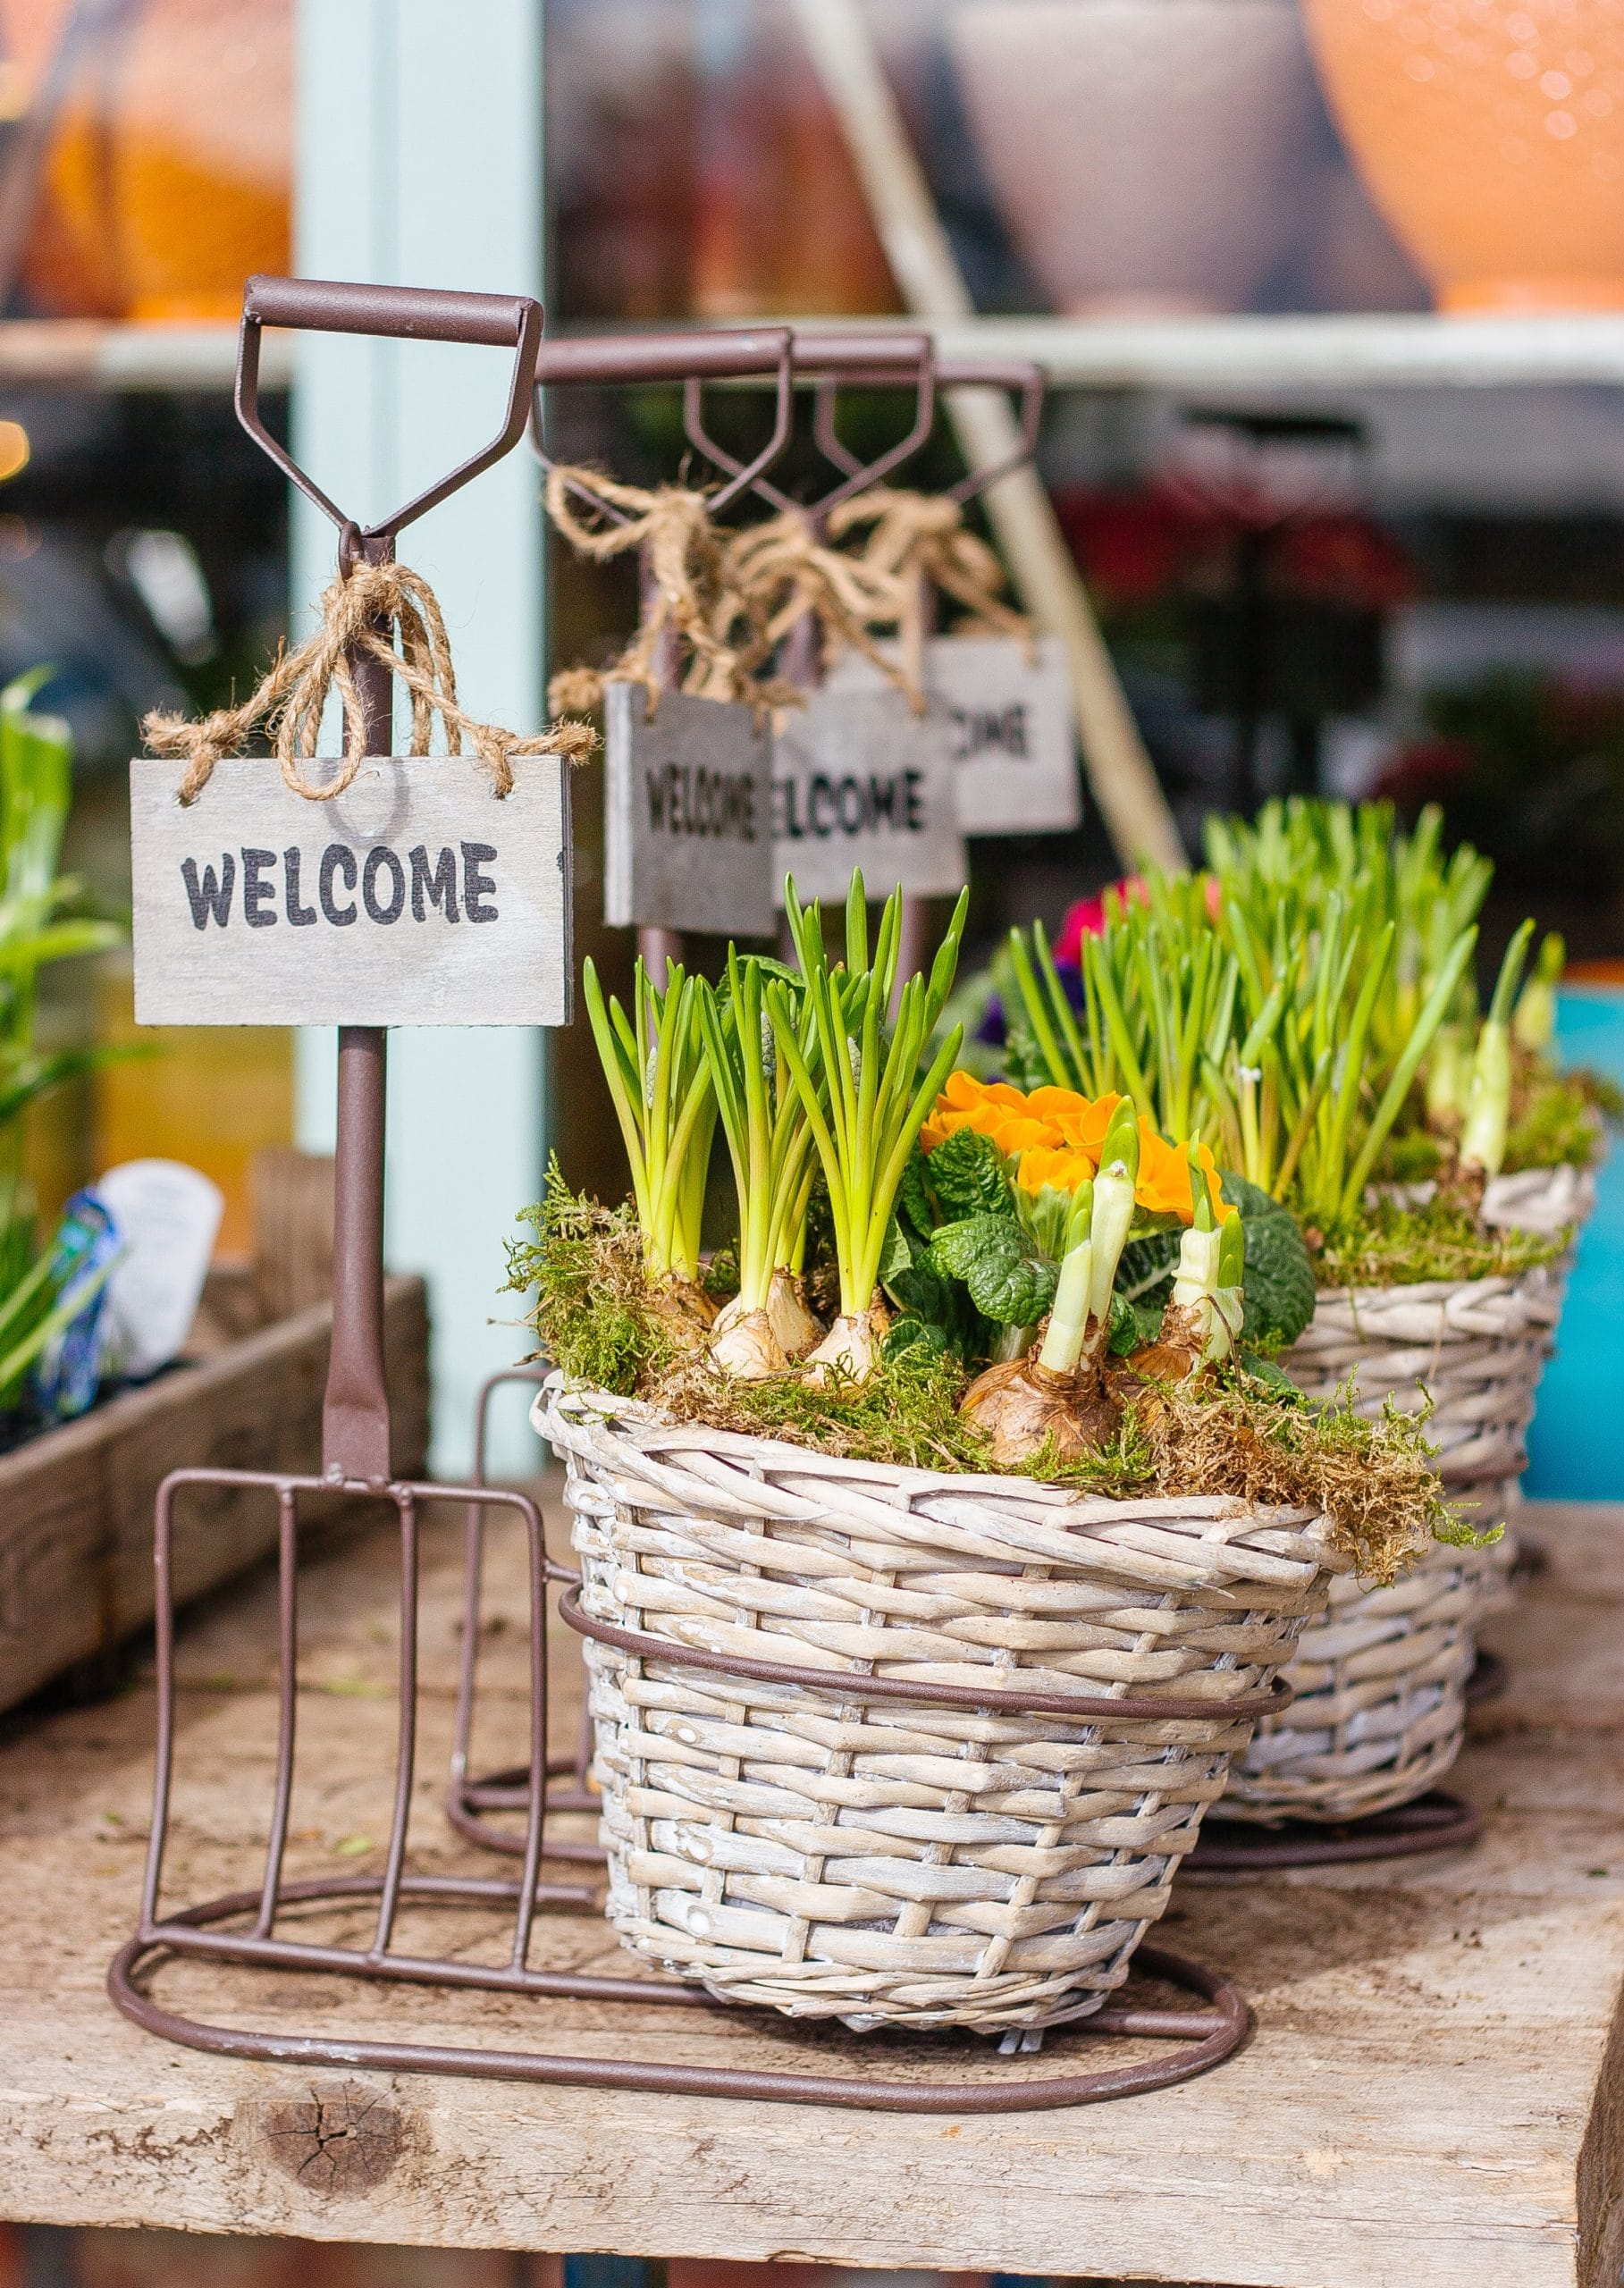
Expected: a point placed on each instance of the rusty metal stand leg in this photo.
(1438, 1820)
(469, 1800)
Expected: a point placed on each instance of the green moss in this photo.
(591, 1311)
(1558, 1125)
(1387, 1246)
(906, 1415)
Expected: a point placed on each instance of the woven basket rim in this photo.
(1438, 1291)
(1079, 1509)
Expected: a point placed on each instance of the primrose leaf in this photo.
(1146, 1271)
(966, 1176)
(1007, 1282)
(913, 1198)
(1280, 1292)
(1265, 1371)
(936, 1310)
(896, 1255)
(1131, 1324)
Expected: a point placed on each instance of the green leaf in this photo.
(1131, 1324)
(896, 1255)
(1007, 1282)
(966, 1177)
(1145, 1274)
(913, 1195)
(1280, 1292)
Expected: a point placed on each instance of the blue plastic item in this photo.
(1575, 1452)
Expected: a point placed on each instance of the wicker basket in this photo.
(1380, 1709)
(1380, 1682)
(929, 1747)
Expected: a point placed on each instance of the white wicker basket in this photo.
(1380, 1708)
(858, 1787)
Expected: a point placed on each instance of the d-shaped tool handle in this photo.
(396, 312)
(692, 358)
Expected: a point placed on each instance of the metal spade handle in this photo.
(355, 1416)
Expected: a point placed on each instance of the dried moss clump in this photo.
(906, 1415)
(592, 1310)
(1374, 1482)
(1389, 1246)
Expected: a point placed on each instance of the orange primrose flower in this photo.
(1054, 1168)
(1057, 1135)
(1164, 1178)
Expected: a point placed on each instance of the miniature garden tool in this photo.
(692, 358)
(838, 358)
(241, 1929)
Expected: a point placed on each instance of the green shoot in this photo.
(660, 1085)
(859, 1077)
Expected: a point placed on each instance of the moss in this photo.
(592, 1310)
(906, 1415)
(1387, 1245)
(1234, 1434)
(1558, 1124)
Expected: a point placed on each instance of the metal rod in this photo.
(287, 1703)
(406, 1747)
(1135, 1707)
(355, 1415)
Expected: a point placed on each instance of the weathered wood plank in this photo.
(76, 1505)
(1432, 2098)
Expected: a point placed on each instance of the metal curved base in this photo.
(1435, 1821)
(1489, 1679)
(1205, 2037)
(469, 1802)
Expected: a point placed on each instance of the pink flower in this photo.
(1086, 918)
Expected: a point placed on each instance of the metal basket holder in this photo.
(247, 1928)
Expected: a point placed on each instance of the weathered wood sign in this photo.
(416, 898)
(687, 814)
(1001, 713)
(858, 779)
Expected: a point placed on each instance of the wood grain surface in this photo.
(1434, 2096)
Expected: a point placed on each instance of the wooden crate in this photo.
(76, 1504)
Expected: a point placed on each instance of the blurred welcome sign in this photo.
(417, 897)
(859, 779)
(687, 814)
(999, 710)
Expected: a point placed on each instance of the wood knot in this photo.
(337, 2139)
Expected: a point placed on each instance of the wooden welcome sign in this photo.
(417, 897)
(858, 779)
(999, 711)
(687, 814)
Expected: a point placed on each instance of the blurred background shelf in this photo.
(1259, 354)
(1285, 353)
(87, 353)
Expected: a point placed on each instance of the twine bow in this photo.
(696, 629)
(289, 702)
(916, 541)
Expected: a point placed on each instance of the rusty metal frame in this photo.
(247, 1928)
(241, 1927)
(1439, 1821)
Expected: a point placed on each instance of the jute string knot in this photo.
(861, 597)
(289, 702)
(784, 570)
(694, 629)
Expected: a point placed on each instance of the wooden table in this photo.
(1434, 2096)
